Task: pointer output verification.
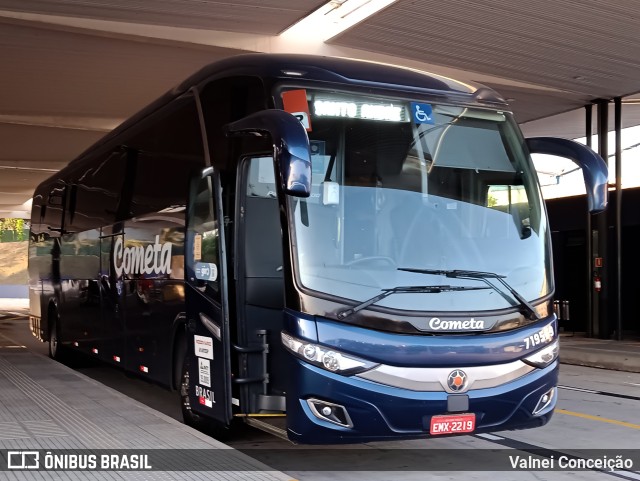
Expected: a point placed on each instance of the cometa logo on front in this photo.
(472, 324)
(152, 259)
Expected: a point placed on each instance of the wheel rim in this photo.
(184, 391)
(53, 340)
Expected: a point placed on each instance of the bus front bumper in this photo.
(376, 412)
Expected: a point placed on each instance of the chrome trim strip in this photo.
(434, 379)
(211, 326)
(552, 394)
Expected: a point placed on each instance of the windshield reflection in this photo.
(457, 194)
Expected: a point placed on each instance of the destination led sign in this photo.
(359, 110)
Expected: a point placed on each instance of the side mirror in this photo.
(291, 151)
(594, 169)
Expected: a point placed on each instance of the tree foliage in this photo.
(12, 230)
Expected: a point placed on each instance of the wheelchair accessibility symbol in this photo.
(422, 113)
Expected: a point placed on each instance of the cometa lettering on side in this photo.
(152, 259)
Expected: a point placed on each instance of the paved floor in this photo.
(45, 405)
(602, 353)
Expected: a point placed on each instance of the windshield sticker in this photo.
(206, 271)
(295, 102)
(197, 247)
(422, 113)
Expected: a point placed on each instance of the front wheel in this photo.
(209, 426)
(188, 416)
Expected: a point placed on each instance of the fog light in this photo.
(333, 413)
(545, 401)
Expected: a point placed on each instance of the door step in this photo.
(272, 425)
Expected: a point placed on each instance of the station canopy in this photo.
(72, 70)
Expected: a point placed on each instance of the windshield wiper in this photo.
(404, 290)
(525, 307)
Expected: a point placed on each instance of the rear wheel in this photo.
(56, 351)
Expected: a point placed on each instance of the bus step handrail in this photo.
(248, 380)
(247, 350)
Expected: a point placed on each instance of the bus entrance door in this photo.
(208, 341)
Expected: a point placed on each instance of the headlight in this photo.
(544, 356)
(326, 358)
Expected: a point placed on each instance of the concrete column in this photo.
(618, 215)
(600, 312)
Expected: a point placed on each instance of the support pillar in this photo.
(618, 215)
(601, 325)
(588, 235)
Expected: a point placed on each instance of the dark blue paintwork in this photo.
(418, 350)
(381, 412)
(301, 326)
(343, 71)
(594, 169)
(291, 144)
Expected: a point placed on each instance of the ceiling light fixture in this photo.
(333, 18)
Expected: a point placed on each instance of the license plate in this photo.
(453, 424)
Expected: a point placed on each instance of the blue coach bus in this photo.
(332, 250)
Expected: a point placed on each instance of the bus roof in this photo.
(330, 70)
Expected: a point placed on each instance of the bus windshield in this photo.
(401, 185)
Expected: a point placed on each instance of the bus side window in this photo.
(204, 229)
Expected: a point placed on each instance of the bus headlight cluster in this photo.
(544, 356)
(326, 358)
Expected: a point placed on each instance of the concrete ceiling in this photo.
(74, 69)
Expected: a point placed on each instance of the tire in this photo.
(56, 350)
(211, 427)
(188, 416)
(179, 354)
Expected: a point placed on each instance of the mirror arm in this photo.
(290, 145)
(594, 169)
